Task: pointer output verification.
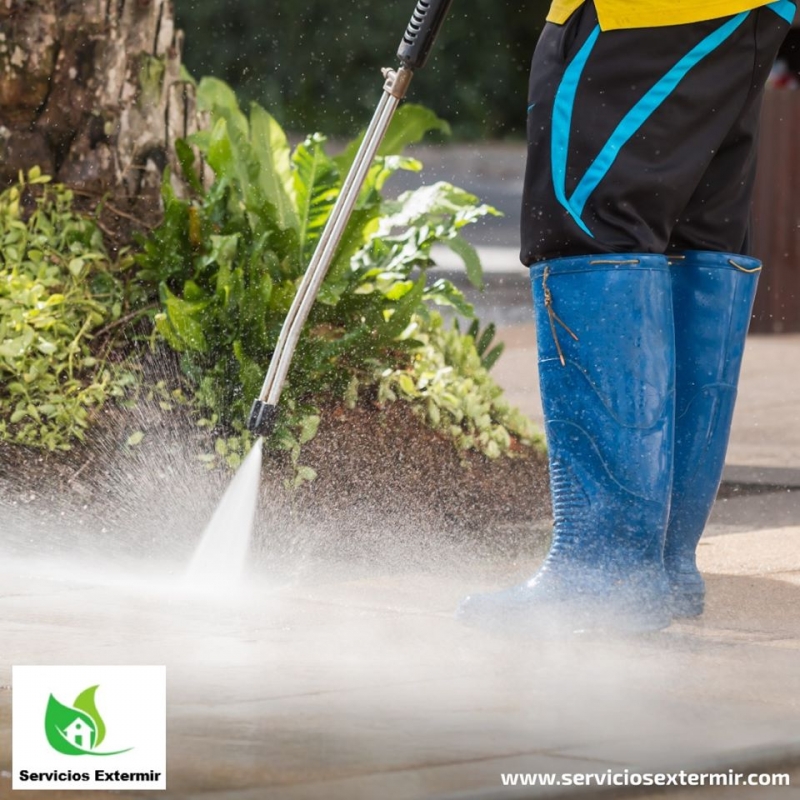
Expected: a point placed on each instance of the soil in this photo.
(383, 462)
(381, 473)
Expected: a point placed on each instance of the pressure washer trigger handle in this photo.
(262, 418)
(421, 32)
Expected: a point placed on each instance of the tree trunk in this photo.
(92, 91)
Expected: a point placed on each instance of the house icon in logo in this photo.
(78, 729)
(79, 734)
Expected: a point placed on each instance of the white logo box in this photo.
(130, 700)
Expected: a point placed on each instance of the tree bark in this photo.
(92, 91)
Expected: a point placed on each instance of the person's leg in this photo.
(713, 299)
(713, 291)
(716, 217)
(606, 370)
(623, 127)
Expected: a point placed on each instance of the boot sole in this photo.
(686, 605)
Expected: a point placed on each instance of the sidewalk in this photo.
(356, 682)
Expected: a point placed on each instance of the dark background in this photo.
(315, 64)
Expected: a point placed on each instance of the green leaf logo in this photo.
(78, 729)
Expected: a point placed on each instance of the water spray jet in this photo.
(219, 560)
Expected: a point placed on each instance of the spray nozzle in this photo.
(262, 418)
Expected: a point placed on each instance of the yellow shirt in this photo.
(614, 14)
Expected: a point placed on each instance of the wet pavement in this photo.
(363, 685)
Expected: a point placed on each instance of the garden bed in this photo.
(380, 473)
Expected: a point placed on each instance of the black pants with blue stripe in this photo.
(644, 140)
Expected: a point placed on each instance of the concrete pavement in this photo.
(363, 685)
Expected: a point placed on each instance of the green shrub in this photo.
(449, 386)
(59, 292)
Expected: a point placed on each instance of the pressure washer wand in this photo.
(417, 41)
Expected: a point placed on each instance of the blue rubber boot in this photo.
(712, 295)
(604, 329)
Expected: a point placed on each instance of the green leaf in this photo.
(17, 347)
(469, 255)
(275, 175)
(217, 97)
(219, 152)
(186, 160)
(404, 310)
(76, 266)
(308, 428)
(407, 384)
(382, 169)
(316, 184)
(251, 374)
(408, 126)
(304, 475)
(168, 251)
(362, 225)
(58, 718)
(253, 312)
(85, 702)
(181, 317)
(437, 200)
(483, 341)
(491, 358)
(167, 332)
(223, 251)
(444, 293)
(135, 439)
